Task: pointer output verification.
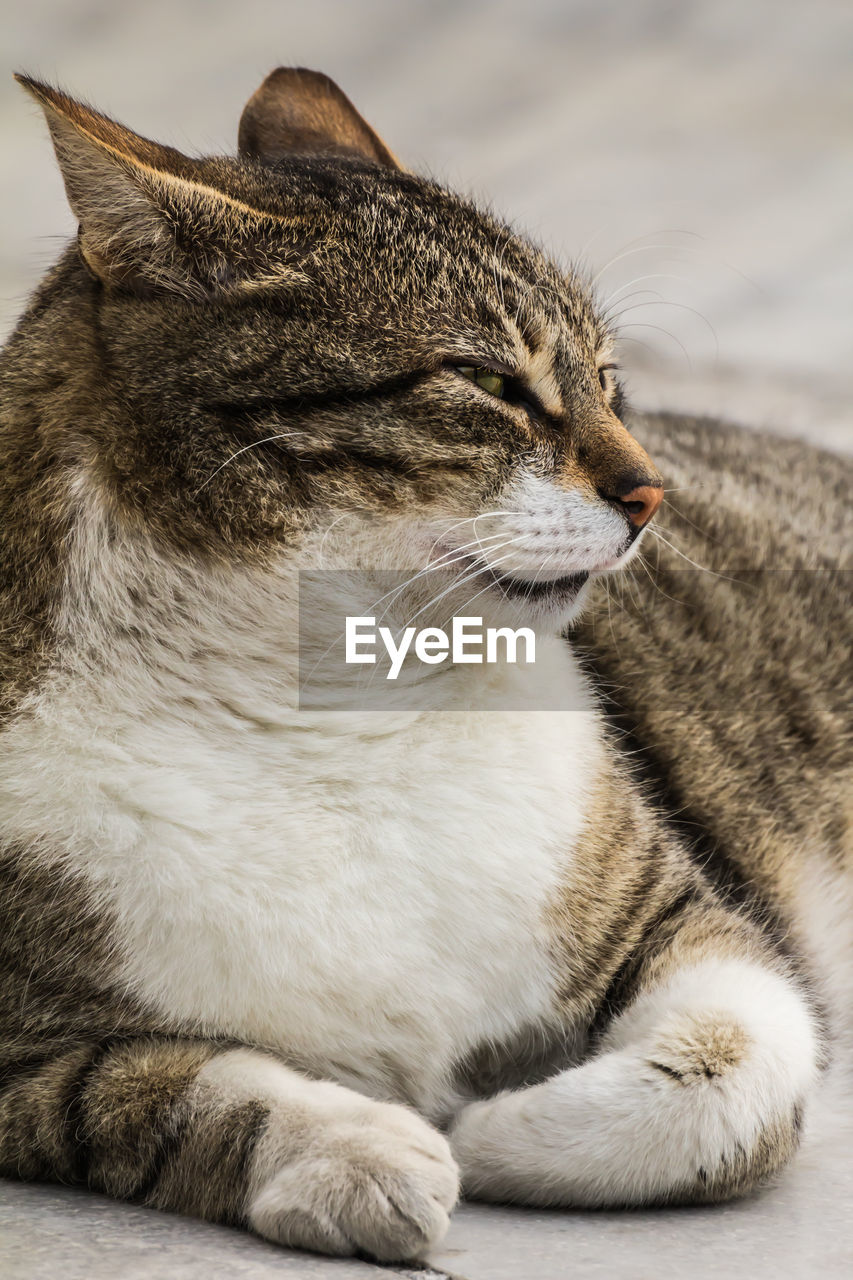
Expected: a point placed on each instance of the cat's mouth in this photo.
(557, 592)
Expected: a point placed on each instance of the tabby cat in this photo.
(569, 932)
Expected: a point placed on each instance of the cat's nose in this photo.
(620, 470)
(638, 504)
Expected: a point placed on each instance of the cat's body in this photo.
(217, 900)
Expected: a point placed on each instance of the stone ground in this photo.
(698, 157)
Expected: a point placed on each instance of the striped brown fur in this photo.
(234, 351)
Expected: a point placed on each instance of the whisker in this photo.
(629, 248)
(337, 520)
(605, 309)
(642, 324)
(701, 567)
(395, 591)
(628, 253)
(626, 337)
(282, 435)
(469, 519)
(488, 586)
(450, 557)
(686, 519)
(695, 252)
(682, 306)
(652, 275)
(651, 577)
(474, 572)
(458, 581)
(656, 533)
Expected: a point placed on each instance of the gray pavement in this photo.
(798, 1230)
(700, 151)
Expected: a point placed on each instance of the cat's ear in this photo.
(300, 112)
(139, 204)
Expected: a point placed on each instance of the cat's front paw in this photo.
(379, 1181)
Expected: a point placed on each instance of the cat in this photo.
(568, 933)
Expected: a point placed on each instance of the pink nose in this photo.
(641, 504)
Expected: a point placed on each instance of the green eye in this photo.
(485, 378)
(491, 382)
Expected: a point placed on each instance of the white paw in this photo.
(377, 1180)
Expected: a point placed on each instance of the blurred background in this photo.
(696, 157)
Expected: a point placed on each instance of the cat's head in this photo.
(308, 351)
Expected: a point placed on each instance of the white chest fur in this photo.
(365, 894)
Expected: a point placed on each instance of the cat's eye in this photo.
(485, 378)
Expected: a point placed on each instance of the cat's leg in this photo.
(695, 1094)
(232, 1136)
